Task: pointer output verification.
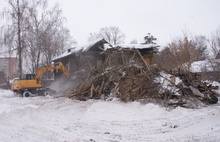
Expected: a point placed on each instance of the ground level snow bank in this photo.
(61, 119)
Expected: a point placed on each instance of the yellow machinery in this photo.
(31, 84)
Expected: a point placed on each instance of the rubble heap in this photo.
(129, 82)
(190, 91)
(135, 80)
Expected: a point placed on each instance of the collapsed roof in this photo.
(102, 45)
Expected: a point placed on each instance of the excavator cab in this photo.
(28, 77)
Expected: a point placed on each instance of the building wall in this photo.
(94, 59)
(147, 55)
(7, 65)
(148, 59)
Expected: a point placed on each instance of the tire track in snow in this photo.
(61, 119)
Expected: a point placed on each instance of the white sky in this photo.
(164, 19)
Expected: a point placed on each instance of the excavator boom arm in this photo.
(58, 65)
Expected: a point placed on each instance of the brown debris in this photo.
(193, 92)
(129, 81)
(125, 75)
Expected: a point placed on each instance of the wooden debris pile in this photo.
(191, 92)
(124, 75)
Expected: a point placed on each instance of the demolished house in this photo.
(192, 87)
(101, 71)
(82, 57)
(98, 61)
(195, 86)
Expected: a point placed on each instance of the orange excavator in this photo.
(32, 84)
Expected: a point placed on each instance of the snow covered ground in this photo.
(48, 119)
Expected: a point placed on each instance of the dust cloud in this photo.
(62, 86)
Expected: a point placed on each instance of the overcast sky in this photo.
(165, 19)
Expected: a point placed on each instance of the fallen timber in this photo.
(134, 80)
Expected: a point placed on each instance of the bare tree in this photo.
(215, 48)
(215, 42)
(33, 40)
(47, 37)
(178, 54)
(200, 43)
(112, 34)
(36, 32)
(58, 40)
(15, 31)
(55, 38)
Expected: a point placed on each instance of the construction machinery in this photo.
(33, 85)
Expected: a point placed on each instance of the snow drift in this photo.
(62, 119)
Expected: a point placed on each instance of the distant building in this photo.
(8, 66)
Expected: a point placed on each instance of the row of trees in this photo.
(35, 31)
(197, 45)
(181, 52)
(215, 42)
(38, 34)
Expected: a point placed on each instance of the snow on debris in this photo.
(214, 83)
(166, 82)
